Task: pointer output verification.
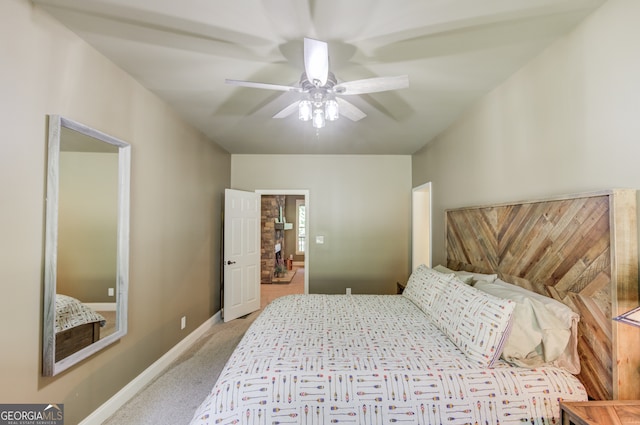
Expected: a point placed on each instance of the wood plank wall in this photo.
(580, 250)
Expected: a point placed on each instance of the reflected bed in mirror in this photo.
(86, 243)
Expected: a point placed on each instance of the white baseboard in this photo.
(109, 407)
(101, 306)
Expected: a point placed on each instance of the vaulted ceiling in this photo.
(454, 52)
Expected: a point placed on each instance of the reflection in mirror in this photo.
(87, 243)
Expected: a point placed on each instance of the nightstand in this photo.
(606, 412)
(400, 287)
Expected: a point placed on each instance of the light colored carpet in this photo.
(110, 326)
(173, 397)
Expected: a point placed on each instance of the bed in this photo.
(76, 326)
(450, 349)
(420, 357)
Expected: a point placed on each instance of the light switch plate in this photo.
(319, 239)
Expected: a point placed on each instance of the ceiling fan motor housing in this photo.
(308, 86)
(318, 94)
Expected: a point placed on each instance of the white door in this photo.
(421, 226)
(241, 254)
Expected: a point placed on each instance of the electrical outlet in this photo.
(348, 291)
(183, 322)
(111, 292)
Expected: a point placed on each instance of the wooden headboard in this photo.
(580, 250)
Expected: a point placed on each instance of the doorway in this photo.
(421, 226)
(298, 281)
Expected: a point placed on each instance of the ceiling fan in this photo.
(320, 91)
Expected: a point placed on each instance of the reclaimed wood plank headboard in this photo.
(581, 250)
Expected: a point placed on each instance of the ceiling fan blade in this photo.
(261, 85)
(372, 85)
(288, 110)
(349, 110)
(316, 61)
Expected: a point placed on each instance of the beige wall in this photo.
(177, 179)
(360, 204)
(568, 122)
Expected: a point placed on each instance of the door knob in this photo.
(230, 262)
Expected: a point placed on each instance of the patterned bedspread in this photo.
(371, 359)
(71, 313)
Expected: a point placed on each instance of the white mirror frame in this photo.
(49, 365)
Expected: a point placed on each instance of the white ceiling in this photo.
(454, 51)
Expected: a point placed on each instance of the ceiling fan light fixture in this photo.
(331, 110)
(318, 118)
(304, 110)
(321, 94)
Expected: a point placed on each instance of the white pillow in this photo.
(467, 277)
(560, 310)
(544, 329)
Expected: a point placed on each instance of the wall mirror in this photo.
(86, 243)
